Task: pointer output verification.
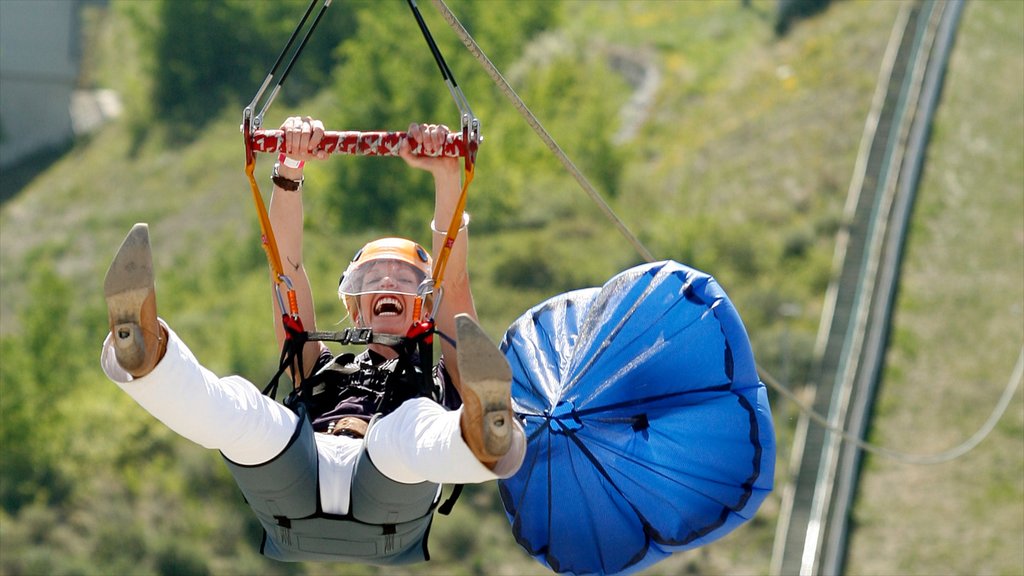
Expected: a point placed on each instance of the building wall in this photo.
(39, 58)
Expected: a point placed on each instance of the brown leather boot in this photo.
(139, 340)
(485, 387)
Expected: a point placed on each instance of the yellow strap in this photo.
(453, 228)
(274, 257)
(270, 245)
(266, 231)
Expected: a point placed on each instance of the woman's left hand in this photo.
(432, 138)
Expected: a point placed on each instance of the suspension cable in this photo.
(907, 457)
(251, 123)
(446, 72)
(471, 138)
(280, 58)
(257, 121)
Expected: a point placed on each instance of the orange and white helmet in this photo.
(388, 265)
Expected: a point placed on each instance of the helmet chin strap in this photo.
(382, 338)
(419, 337)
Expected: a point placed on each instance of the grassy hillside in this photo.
(718, 144)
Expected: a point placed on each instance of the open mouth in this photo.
(388, 306)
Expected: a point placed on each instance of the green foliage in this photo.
(790, 11)
(388, 89)
(734, 169)
(36, 371)
(568, 74)
(176, 504)
(208, 55)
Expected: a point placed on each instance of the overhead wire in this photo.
(534, 123)
(958, 451)
(910, 457)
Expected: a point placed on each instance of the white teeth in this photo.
(388, 306)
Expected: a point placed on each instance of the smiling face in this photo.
(380, 285)
(387, 296)
(386, 313)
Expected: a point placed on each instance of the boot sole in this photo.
(485, 372)
(128, 284)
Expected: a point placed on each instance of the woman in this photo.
(364, 485)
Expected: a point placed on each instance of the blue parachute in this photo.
(649, 431)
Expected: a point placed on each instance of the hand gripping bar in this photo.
(360, 143)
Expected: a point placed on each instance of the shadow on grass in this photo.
(14, 178)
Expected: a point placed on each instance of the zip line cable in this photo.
(534, 123)
(945, 456)
(908, 457)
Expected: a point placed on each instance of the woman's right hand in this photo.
(302, 136)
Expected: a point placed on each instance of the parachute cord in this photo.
(534, 123)
(446, 338)
(907, 457)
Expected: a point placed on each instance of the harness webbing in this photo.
(453, 229)
(420, 335)
(249, 123)
(471, 137)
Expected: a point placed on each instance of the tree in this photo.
(207, 55)
(34, 370)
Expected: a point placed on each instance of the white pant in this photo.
(420, 441)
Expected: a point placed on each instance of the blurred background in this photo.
(725, 134)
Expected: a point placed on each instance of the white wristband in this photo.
(465, 222)
(289, 162)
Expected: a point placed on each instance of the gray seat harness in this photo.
(387, 524)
